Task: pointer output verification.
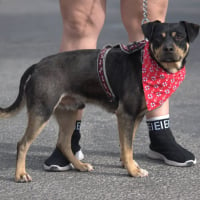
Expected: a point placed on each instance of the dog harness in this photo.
(101, 64)
(158, 85)
(101, 69)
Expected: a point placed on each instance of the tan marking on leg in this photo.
(126, 131)
(66, 120)
(35, 126)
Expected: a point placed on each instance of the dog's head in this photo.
(169, 42)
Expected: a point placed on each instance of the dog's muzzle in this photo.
(168, 53)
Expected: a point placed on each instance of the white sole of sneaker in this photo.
(157, 156)
(56, 168)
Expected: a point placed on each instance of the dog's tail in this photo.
(20, 100)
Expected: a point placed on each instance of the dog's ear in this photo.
(148, 29)
(192, 30)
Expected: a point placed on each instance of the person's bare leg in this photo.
(80, 27)
(132, 15)
(82, 24)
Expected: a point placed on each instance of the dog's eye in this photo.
(179, 37)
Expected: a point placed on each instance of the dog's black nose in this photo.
(168, 48)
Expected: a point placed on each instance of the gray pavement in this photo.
(30, 30)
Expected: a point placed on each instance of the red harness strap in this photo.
(101, 69)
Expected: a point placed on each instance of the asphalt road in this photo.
(31, 30)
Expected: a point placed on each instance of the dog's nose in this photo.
(168, 48)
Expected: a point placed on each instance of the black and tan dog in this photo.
(61, 84)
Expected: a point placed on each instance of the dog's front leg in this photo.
(126, 127)
(66, 120)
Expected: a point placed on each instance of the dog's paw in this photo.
(134, 170)
(23, 178)
(138, 173)
(142, 173)
(86, 167)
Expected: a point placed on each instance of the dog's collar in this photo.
(158, 85)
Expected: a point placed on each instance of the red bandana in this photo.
(158, 84)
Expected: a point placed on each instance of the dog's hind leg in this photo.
(127, 128)
(66, 120)
(35, 125)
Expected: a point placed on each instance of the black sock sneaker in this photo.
(164, 146)
(58, 162)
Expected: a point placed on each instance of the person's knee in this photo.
(82, 24)
(77, 26)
